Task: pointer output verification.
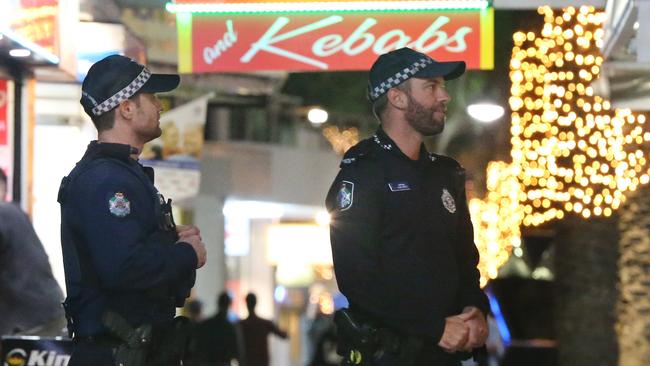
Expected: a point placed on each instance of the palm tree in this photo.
(634, 267)
(586, 255)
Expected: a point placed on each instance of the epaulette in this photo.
(445, 160)
(359, 151)
(452, 165)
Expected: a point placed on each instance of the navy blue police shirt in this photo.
(402, 239)
(116, 255)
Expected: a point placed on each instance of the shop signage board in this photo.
(329, 41)
(4, 114)
(35, 351)
(47, 28)
(33, 21)
(176, 154)
(6, 131)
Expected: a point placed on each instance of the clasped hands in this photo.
(192, 235)
(465, 331)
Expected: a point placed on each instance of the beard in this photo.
(423, 119)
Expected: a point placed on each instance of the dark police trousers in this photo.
(101, 354)
(394, 359)
(391, 359)
(164, 346)
(91, 354)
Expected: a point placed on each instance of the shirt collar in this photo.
(381, 138)
(119, 151)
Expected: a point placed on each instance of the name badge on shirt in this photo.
(399, 186)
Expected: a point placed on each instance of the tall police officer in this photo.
(127, 265)
(401, 234)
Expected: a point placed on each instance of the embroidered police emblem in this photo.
(345, 195)
(119, 205)
(448, 201)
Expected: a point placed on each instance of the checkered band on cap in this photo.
(123, 94)
(399, 77)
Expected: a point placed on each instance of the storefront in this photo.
(31, 44)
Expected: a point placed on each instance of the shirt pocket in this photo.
(403, 204)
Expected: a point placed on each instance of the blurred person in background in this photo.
(255, 334)
(30, 297)
(401, 235)
(194, 310)
(214, 340)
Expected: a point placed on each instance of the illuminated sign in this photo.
(6, 131)
(34, 25)
(36, 20)
(4, 113)
(328, 41)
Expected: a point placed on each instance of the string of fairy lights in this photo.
(574, 153)
(341, 139)
(571, 151)
(497, 219)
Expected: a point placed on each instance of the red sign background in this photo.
(6, 149)
(4, 115)
(36, 20)
(328, 41)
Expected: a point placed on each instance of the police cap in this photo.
(395, 67)
(117, 78)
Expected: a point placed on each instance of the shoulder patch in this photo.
(345, 195)
(119, 205)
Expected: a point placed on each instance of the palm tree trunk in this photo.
(634, 301)
(586, 255)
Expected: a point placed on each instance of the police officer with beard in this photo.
(401, 234)
(127, 265)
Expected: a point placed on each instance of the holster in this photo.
(356, 342)
(133, 349)
(171, 343)
(159, 345)
(360, 343)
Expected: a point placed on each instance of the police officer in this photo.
(401, 234)
(127, 266)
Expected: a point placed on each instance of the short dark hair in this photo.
(106, 121)
(194, 307)
(379, 105)
(224, 301)
(251, 300)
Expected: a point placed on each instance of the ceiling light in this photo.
(317, 116)
(485, 112)
(19, 52)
